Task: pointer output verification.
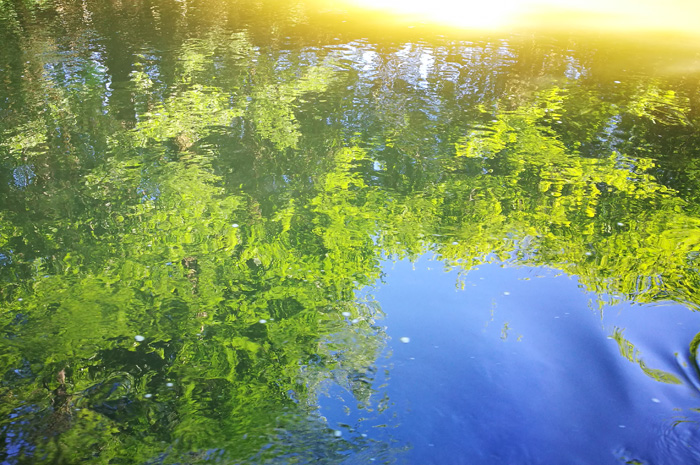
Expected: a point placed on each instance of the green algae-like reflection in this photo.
(190, 203)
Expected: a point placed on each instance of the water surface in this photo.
(257, 232)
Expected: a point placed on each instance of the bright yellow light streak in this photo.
(489, 14)
(680, 16)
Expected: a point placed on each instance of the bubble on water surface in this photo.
(139, 338)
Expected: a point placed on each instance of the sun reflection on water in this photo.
(617, 16)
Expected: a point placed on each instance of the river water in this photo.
(254, 232)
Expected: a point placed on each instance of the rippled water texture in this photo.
(247, 232)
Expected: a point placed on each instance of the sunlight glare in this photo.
(471, 14)
(678, 16)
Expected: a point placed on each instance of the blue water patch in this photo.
(521, 366)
